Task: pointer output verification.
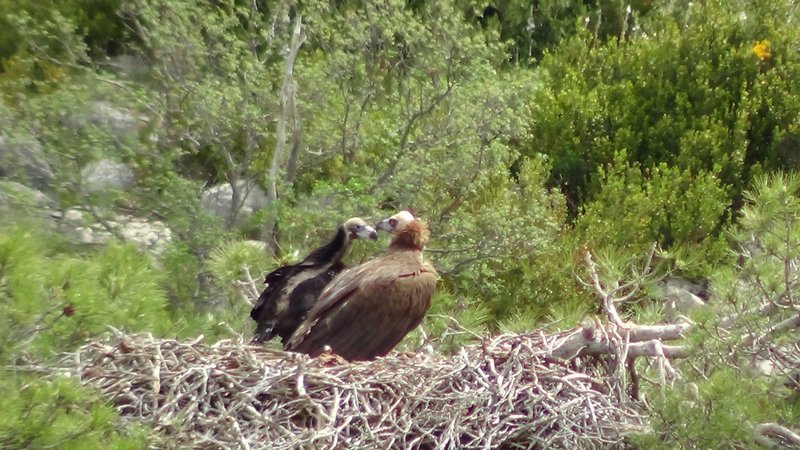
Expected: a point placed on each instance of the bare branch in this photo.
(641, 341)
(663, 332)
(297, 139)
(298, 37)
(247, 289)
(617, 293)
(286, 99)
(231, 395)
(772, 434)
(403, 145)
(780, 327)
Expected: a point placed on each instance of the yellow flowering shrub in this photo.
(761, 49)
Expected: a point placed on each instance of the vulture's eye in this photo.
(393, 222)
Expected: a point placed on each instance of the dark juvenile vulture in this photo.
(367, 310)
(291, 290)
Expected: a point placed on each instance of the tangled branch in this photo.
(506, 391)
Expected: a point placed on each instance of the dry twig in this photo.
(507, 391)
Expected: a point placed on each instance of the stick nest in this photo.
(503, 392)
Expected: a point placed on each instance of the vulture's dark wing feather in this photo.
(302, 298)
(275, 281)
(269, 309)
(367, 310)
(292, 289)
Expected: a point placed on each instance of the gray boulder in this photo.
(218, 200)
(15, 195)
(82, 227)
(130, 65)
(25, 160)
(105, 175)
(681, 296)
(74, 216)
(150, 236)
(121, 122)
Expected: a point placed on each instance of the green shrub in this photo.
(54, 302)
(714, 413)
(58, 413)
(742, 373)
(452, 322)
(636, 207)
(669, 126)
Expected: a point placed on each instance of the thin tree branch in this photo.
(768, 433)
(403, 146)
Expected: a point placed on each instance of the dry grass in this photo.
(505, 392)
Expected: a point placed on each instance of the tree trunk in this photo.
(286, 102)
(297, 140)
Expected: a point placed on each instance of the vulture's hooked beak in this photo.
(367, 232)
(385, 225)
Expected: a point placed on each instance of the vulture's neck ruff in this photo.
(413, 236)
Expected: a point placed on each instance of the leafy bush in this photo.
(451, 322)
(95, 21)
(53, 302)
(58, 413)
(683, 102)
(744, 371)
(639, 125)
(636, 207)
(715, 413)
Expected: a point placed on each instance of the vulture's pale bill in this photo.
(292, 290)
(367, 310)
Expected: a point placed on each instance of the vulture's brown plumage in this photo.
(367, 310)
(292, 290)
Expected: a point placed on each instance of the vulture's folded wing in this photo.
(367, 310)
(272, 280)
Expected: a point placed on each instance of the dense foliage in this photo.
(523, 132)
(746, 372)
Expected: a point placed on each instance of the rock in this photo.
(151, 237)
(130, 65)
(218, 200)
(762, 367)
(20, 201)
(122, 122)
(25, 160)
(87, 235)
(74, 216)
(681, 296)
(698, 288)
(15, 195)
(105, 174)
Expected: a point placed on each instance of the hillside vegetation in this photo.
(527, 134)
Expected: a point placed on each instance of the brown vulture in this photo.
(368, 309)
(291, 290)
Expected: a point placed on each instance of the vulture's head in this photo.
(406, 230)
(356, 228)
(397, 222)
